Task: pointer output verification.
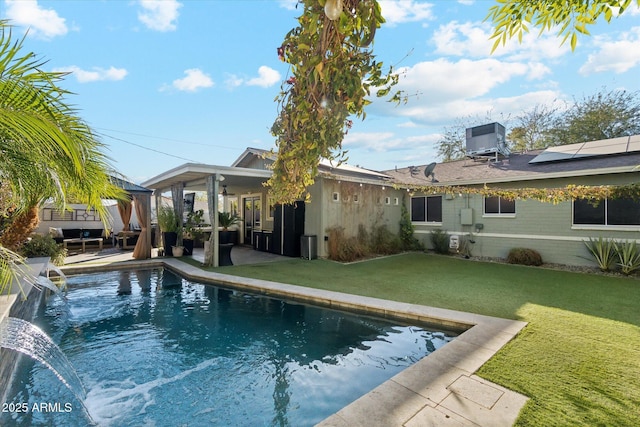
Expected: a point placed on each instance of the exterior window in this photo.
(607, 212)
(387, 200)
(335, 197)
(499, 206)
(426, 209)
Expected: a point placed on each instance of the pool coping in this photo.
(439, 390)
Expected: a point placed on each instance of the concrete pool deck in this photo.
(439, 390)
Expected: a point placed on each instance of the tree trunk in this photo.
(20, 228)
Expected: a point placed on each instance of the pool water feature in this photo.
(153, 348)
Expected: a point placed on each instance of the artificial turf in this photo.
(578, 359)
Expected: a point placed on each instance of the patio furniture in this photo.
(127, 239)
(83, 241)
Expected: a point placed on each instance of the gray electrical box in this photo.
(466, 216)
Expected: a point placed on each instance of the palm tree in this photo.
(46, 151)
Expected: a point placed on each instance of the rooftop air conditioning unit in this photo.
(486, 140)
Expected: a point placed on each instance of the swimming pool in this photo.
(153, 348)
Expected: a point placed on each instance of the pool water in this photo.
(155, 349)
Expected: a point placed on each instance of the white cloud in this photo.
(447, 110)
(233, 81)
(472, 40)
(367, 146)
(442, 90)
(159, 15)
(267, 77)
(194, 80)
(441, 79)
(616, 56)
(373, 141)
(95, 74)
(43, 23)
(400, 11)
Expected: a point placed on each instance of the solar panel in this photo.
(604, 147)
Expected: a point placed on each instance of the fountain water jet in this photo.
(20, 335)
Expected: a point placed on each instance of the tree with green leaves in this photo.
(603, 115)
(333, 72)
(512, 18)
(531, 130)
(46, 151)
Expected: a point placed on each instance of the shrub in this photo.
(440, 241)
(524, 256)
(39, 246)
(342, 248)
(383, 242)
(628, 256)
(603, 250)
(407, 240)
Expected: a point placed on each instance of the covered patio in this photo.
(215, 181)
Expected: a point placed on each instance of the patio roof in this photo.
(194, 177)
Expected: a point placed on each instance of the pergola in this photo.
(141, 197)
(207, 178)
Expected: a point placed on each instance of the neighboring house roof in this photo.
(129, 187)
(517, 167)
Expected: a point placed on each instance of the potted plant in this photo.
(226, 220)
(192, 230)
(170, 226)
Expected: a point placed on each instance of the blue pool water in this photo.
(154, 349)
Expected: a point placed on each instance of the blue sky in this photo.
(168, 82)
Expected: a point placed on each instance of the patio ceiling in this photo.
(194, 175)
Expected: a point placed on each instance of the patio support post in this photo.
(177, 195)
(158, 194)
(213, 186)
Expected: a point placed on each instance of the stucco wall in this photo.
(349, 205)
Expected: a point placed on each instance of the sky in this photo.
(168, 82)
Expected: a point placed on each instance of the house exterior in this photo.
(342, 196)
(348, 197)
(496, 225)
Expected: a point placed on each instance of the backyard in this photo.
(579, 357)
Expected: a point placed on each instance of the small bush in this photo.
(39, 246)
(603, 250)
(384, 242)
(524, 256)
(628, 256)
(440, 241)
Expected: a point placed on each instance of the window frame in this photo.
(426, 209)
(605, 225)
(498, 214)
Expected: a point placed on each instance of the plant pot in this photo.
(177, 251)
(188, 246)
(228, 236)
(170, 238)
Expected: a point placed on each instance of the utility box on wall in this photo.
(466, 216)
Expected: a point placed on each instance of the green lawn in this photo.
(579, 357)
